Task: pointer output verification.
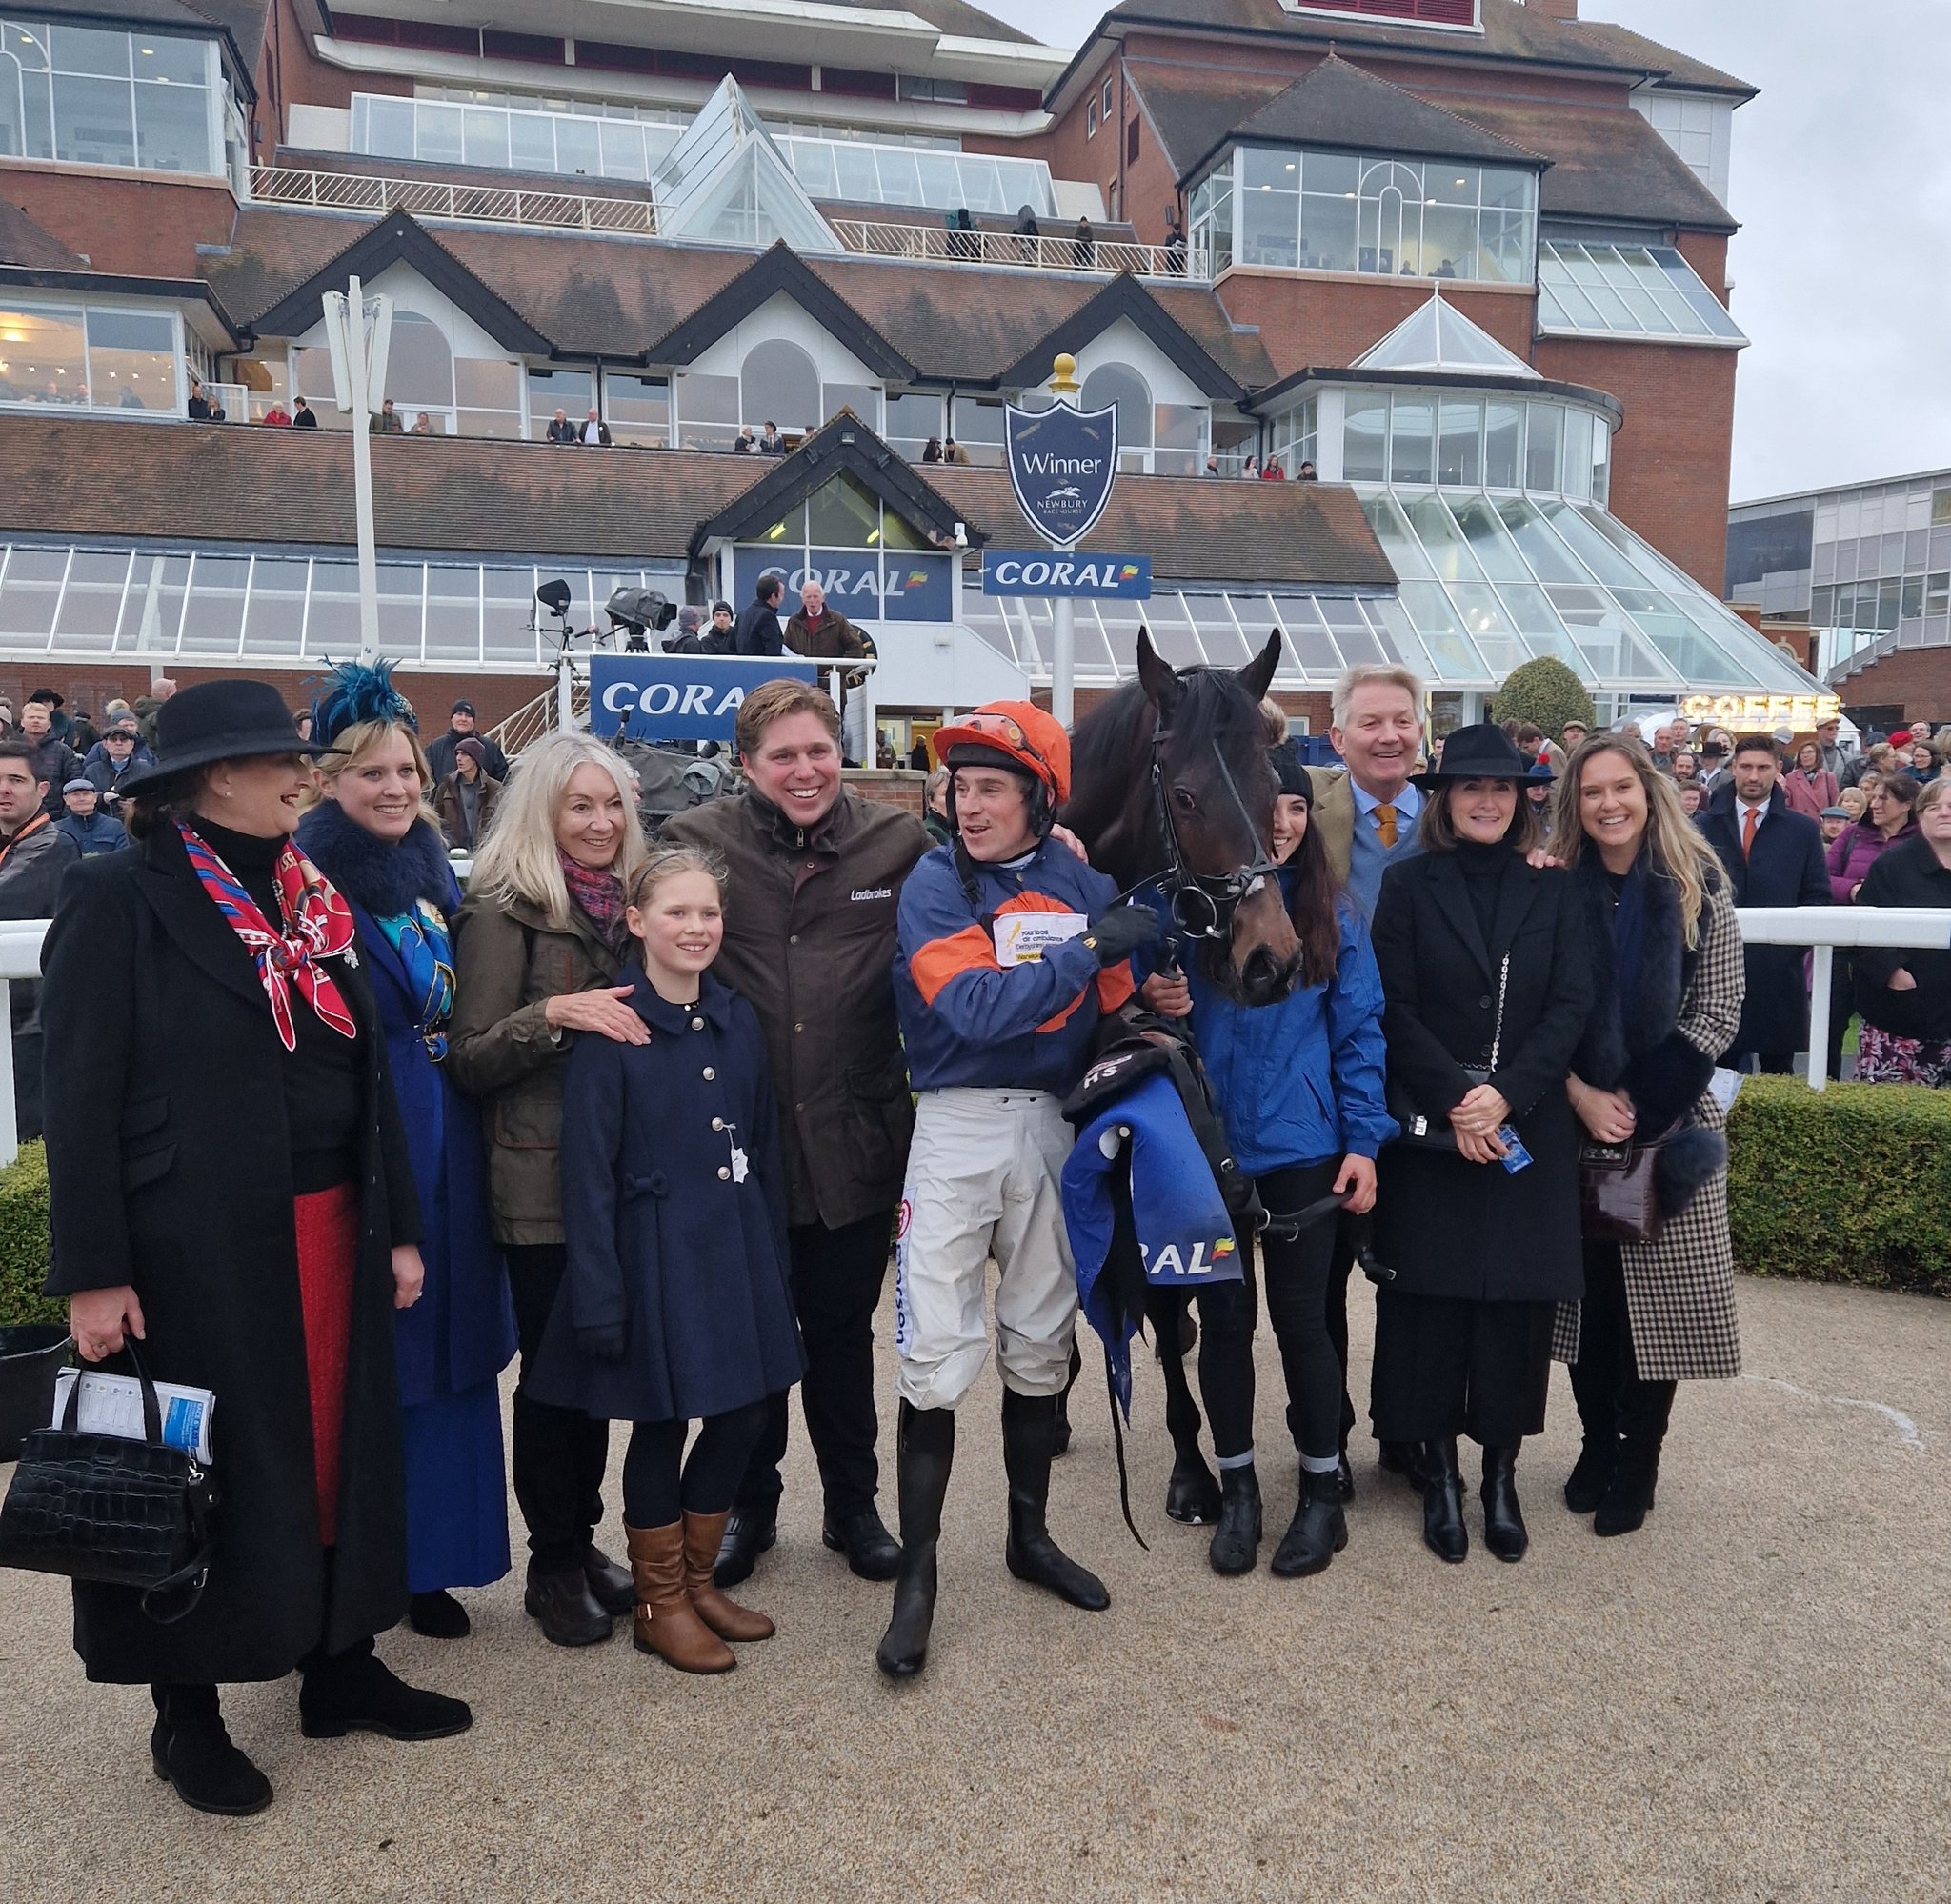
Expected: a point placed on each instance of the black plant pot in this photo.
(30, 1355)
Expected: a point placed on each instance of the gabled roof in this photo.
(23, 242)
(1437, 336)
(1340, 104)
(399, 239)
(1675, 70)
(842, 446)
(1124, 296)
(772, 273)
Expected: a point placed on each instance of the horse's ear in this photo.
(1257, 675)
(1159, 678)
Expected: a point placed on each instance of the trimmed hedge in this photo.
(1853, 1186)
(24, 1240)
(1546, 694)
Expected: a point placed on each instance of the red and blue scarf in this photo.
(316, 924)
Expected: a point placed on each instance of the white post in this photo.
(565, 696)
(1063, 661)
(1821, 978)
(354, 375)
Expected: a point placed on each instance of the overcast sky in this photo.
(1842, 184)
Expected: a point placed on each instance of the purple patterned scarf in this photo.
(598, 895)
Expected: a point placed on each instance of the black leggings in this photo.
(654, 1494)
(1296, 1279)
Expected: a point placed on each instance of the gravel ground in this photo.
(1750, 1699)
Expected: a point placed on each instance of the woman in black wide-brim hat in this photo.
(231, 1186)
(1483, 972)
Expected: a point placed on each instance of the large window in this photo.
(100, 95)
(1421, 440)
(571, 391)
(873, 565)
(780, 385)
(638, 409)
(433, 392)
(1627, 291)
(915, 418)
(1164, 439)
(96, 357)
(596, 141)
(1385, 217)
(708, 411)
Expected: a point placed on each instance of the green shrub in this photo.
(24, 1240)
(1853, 1186)
(1546, 694)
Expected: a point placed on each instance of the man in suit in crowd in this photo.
(1774, 857)
(757, 630)
(1367, 813)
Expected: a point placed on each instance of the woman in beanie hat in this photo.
(209, 1022)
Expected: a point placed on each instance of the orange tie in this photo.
(1751, 818)
(1385, 824)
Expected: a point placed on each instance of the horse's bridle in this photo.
(1202, 905)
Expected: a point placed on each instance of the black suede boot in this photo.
(355, 1691)
(1318, 1529)
(1235, 1543)
(1442, 1502)
(1503, 1520)
(1643, 1416)
(925, 1451)
(1031, 1554)
(438, 1616)
(190, 1748)
(1596, 1391)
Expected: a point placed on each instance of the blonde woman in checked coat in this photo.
(1668, 975)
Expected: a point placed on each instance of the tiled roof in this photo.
(1202, 527)
(1680, 70)
(23, 242)
(615, 297)
(1605, 163)
(244, 483)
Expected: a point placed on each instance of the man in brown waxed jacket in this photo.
(815, 875)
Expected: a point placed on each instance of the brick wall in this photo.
(1670, 459)
(496, 696)
(894, 787)
(1318, 321)
(148, 225)
(292, 74)
(1916, 679)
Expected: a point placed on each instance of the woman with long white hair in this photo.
(540, 945)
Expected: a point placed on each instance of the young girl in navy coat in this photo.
(675, 1307)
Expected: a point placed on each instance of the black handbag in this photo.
(97, 1507)
(1619, 1196)
(1422, 1132)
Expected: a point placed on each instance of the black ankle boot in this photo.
(438, 1616)
(354, 1691)
(1235, 1543)
(1318, 1529)
(1643, 1431)
(1031, 1554)
(926, 1452)
(1592, 1472)
(1503, 1520)
(190, 1748)
(1442, 1502)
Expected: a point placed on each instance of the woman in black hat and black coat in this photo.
(209, 1026)
(1484, 974)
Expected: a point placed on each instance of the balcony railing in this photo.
(571, 211)
(482, 204)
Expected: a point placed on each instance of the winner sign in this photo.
(1061, 463)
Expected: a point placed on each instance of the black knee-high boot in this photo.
(925, 1452)
(1644, 1411)
(1032, 1555)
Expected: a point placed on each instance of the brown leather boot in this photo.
(726, 1618)
(666, 1624)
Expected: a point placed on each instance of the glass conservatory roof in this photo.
(1437, 336)
(1627, 291)
(727, 182)
(1487, 583)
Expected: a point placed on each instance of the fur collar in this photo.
(1620, 1029)
(385, 879)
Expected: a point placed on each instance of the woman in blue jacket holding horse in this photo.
(1300, 1087)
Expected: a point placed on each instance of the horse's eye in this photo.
(1182, 799)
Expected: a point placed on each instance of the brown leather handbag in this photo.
(1619, 1201)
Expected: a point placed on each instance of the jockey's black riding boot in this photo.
(1032, 1555)
(1060, 1443)
(926, 1450)
(1235, 1543)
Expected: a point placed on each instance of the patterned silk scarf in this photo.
(425, 952)
(316, 924)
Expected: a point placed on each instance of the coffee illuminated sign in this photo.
(1762, 712)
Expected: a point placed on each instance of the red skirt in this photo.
(328, 1228)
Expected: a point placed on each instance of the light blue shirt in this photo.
(1368, 858)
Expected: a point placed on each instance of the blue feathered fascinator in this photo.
(358, 692)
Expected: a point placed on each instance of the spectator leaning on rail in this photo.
(757, 630)
(1904, 996)
(1772, 856)
(1010, 952)
(34, 857)
(815, 876)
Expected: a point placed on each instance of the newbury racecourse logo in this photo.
(1062, 462)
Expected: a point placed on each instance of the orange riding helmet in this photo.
(1026, 740)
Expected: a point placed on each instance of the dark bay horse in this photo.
(1170, 780)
